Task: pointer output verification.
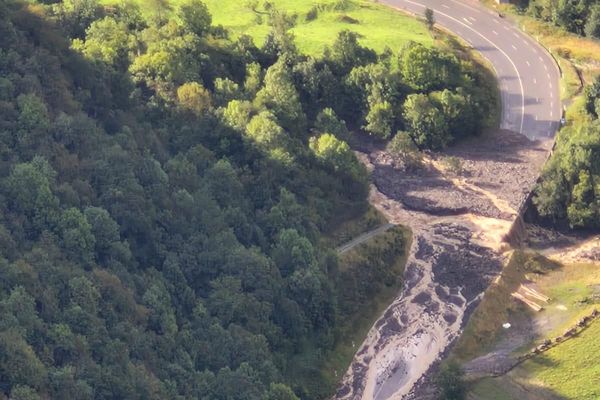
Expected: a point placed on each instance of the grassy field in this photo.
(568, 371)
(378, 26)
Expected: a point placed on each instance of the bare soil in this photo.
(457, 222)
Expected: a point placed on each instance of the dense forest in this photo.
(578, 16)
(570, 190)
(164, 189)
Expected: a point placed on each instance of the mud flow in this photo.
(459, 223)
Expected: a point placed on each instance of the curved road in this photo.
(527, 74)
(529, 83)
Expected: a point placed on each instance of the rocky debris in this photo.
(451, 261)
(445, 275)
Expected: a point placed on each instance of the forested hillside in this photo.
(164, 189)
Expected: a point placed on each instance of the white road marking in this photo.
(495, 33)
(534, 81)
(446, 6)
(496, 21)
(535, 116)
(545, 67)
(529, 65)
(506, 28)
(472, 19)
(525, 42)
(515, 34)
(467, 21)
(513, 46)
(548, 75)
(493, 44)
(551, 113)
(541, 59)
(551, 93)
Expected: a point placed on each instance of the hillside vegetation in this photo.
(165, 186)
(317, 23)
(569, 191)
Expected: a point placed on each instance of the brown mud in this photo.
(458, 224)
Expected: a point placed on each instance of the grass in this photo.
(484, 328)
(352, 228)
(378, 26)
(568, 371)
(571, 370)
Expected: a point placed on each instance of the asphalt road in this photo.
(527, 74)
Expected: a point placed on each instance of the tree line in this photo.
(570, 189)
(164, 189)
(581, 17)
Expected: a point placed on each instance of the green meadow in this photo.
(378, 26)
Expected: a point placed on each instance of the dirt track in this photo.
(458, 223)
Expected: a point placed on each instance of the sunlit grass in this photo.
(378, 26)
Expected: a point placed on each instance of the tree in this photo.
(278, 391)
(104, 229)
(107, 41)
(450, 382)
(403, 149)
(328, 122)
(237, 114)
(425, 122)
(75, 16)
(194, 16)
(592, 95)
(76, 234)
(429, 18)
(428, 69)
(592, 26)
(292, 252)
(346, 53)
(338, 154)
(380, 120)
(29, 188)
(264, 130)
(279, 95)
(225, 91)
(193, 97)
(583, 209)
(20, 392)
(33, 122)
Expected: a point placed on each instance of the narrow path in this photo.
(363, 238)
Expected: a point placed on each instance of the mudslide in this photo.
(458, 223)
